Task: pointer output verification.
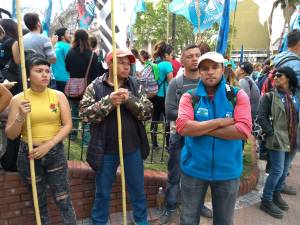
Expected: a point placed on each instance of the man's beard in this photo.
(194, 69)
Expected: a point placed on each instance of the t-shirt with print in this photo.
(39, 43)
(59, 68)
(164, 69)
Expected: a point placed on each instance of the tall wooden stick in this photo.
(28, 122)
(119, 121)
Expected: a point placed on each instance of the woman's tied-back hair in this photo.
(230, 76)
(60, 32)
(145, 55)
(291, 75)
(34, 59)
(162, 48)
(81, 40)
(204, 47)
(10, 27)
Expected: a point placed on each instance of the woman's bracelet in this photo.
(19, 118)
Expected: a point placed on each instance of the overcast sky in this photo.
(265, 7)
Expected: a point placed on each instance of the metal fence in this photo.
(76, 147)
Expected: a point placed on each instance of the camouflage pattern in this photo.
(94, 111)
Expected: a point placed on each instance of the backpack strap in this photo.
(195, 98)
(286, 59)
(179, 86)
(249, 82)
(231, 93)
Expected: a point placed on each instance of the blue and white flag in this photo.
(210, 11)
(14, 10)
(47, 19)
(140, 6)
(224, 29)
(86, 12)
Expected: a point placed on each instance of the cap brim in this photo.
(119, 55)
(130, 57)
(213, 56)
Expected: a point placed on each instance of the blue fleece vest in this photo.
(207, 157)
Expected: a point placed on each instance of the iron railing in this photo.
(157, 155)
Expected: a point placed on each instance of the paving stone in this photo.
(247, 206)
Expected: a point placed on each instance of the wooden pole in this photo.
(119, 121)
(28, 122)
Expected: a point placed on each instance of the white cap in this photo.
(213, 56)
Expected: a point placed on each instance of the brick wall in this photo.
(16, 207)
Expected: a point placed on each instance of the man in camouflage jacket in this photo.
(98, 106)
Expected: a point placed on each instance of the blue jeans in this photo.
(223, 193)
(280, 163)
(134, 175)
(50, 170)
(175, 146)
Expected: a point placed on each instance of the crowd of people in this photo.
(210, 107)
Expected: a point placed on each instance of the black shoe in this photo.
(155, 147)
(169, 216)
(272, 209)
(206, 212)
(278, 200)
(263, 156)
(289, 190)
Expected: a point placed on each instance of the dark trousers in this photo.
(158, 111)
(50, 170)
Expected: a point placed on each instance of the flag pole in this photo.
(116, 87)
(233, 23)
(198, 11)
(28, 122)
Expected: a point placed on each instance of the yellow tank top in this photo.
(45, 115)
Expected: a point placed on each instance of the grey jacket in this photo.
(272, 118)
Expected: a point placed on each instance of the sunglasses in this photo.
(278, 75)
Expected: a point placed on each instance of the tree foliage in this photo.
(151, 26)
(67, 18)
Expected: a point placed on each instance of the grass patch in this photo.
(157, 160)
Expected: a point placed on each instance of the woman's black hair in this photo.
(291, 75)
(162, 48)
(10, 27)
(34, 59)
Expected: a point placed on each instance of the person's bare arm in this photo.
(16, 52)
(5, 97)
(169, 77)
(18, 108)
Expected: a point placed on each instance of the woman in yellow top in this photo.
(51, 122)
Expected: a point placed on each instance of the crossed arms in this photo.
(238, 127)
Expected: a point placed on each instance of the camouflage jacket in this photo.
(93, 111)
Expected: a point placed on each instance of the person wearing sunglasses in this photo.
(278, 116)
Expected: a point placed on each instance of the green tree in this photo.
(288, 6)
(151, 26)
